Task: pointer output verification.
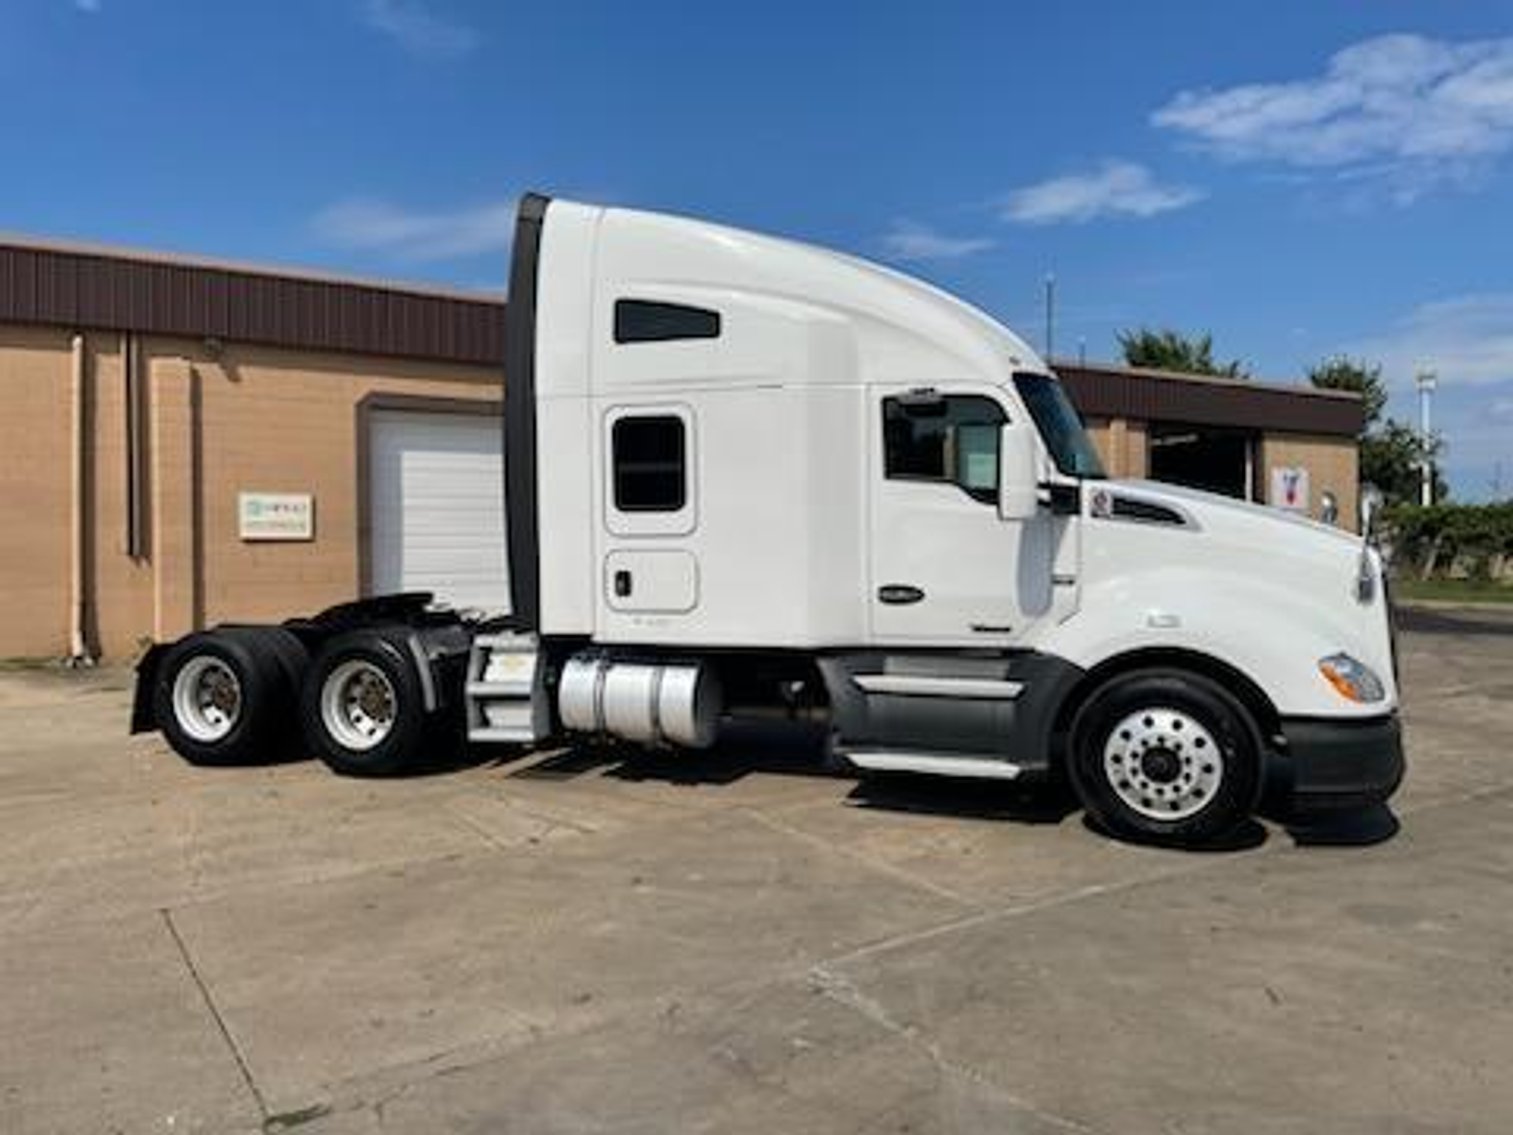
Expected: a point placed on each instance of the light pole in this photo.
(1050, 315)
(1425, 381)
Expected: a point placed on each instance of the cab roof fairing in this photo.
(885, 306)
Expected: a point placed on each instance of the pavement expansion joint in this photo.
(215, 1014)
(837, 988)
(782, 828)
(488, 838)
(1014, 910)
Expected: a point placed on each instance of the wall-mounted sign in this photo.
(275, 516)
(1289, 487)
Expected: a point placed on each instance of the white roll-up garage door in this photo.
(436, 507)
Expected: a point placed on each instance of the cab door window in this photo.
(950, 439)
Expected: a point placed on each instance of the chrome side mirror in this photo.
(1371, 507)
(1329, 507)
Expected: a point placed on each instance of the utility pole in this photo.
(1425, 381)
(1050, 315)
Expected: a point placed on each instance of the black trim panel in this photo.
(1020, 729)
(522, 525)
(1130, 508)
(1342, 763)
(1065, 500)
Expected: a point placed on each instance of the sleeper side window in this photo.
(951, 439)
(650, 463)
(650, 321)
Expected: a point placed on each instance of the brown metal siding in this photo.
(1100, 392)
(64, 288)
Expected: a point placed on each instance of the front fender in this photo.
(1273, 635)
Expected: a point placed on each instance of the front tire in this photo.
(363, 706)
(1165, 756)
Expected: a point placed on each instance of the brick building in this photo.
(1242, 438)
(185, 442)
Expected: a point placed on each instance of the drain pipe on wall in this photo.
(78, 603)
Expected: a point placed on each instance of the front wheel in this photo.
(1165, 756)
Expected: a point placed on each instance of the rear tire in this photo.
(1165, 756)
(363, 706)
(223, 697)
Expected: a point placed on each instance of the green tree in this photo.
(1340, 372)
(1392, 452)
(1167, 349)
(1392, 456)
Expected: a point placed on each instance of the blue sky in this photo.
(1298, 179)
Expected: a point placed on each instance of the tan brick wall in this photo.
(272, 424)
(1333, 465)
(250, 418)
(176, 584)
(35, 428)
(1098, 431)
(1121, 444)
(122, 588)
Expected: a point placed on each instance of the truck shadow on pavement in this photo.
(798, 750)
(1042, 803)
(781, 749)
(1361, 827)
(745, 749)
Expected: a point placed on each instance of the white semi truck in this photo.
(745, 475)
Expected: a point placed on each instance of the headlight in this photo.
(1351, 678)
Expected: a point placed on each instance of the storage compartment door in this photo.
(652, 581)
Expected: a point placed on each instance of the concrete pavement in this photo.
(731, 942)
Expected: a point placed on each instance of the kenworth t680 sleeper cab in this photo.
(744, 475)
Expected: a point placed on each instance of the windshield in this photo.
(1060, 427)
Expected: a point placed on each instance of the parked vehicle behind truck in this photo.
(745, 475)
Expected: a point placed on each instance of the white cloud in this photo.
(1466, 340)
(909, 240)
(90, 6)
(1417, 110)
(1115, 188)
(376, 226)
(418, 29)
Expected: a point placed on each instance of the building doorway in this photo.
(1204, 457)
(436, 509)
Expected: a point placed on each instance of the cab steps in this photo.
(505, 694)
(969, 765)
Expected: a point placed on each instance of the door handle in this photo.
(622, 584)
(899, 594)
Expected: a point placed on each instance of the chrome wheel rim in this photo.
(358, 705)
(1163, 763)
(207, 698)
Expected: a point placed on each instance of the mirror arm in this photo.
(1064, 499)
